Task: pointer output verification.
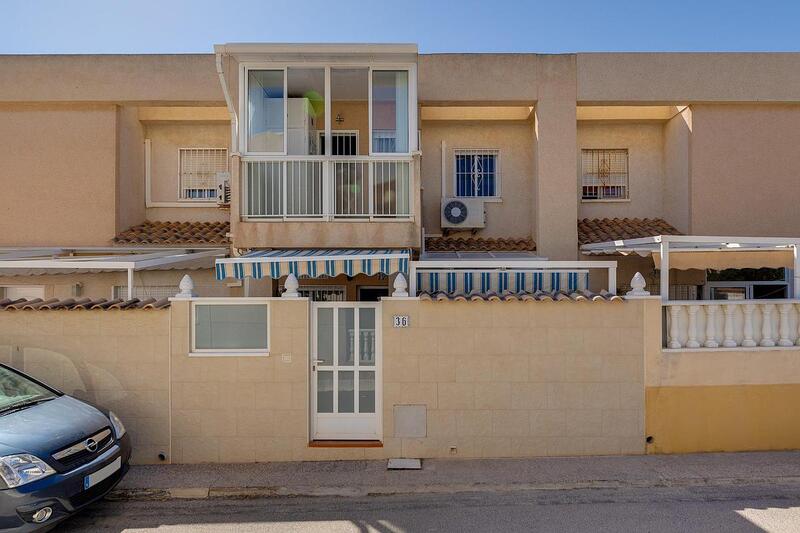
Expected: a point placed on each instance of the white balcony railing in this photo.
(730, 324)
(335, 188)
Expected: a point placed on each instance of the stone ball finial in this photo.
(290, 287)
(400, 286)
(638, 284)
(186, 287)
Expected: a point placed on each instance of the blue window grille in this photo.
(477, 173)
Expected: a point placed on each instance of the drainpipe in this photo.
(229, 102)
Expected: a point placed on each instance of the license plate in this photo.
(96, 477)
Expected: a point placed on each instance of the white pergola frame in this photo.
(63, 260)
(666, 244)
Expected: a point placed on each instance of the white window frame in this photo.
(212, 352)
(627, 197)
(498, 189)
(181, 188)
(246, 66)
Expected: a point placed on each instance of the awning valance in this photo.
(500, 281)
(783, 258)
(314, 263)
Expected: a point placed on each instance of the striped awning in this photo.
(500, 281)
(313, 263)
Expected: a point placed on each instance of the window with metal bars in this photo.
(604, 174)
(477, 173)
(199, 168)
(344, 142)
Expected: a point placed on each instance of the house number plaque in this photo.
(400, 321)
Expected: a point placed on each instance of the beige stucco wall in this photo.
(743, 162)
(59, 166)
(676, 78)
(243, 409)
(675, 187)
(503, 379)
(644, 141)
(468, 78)
(157, 78)
(166, 138)
(100, 285)
(116, 359)
(130, 168)
(511, 217)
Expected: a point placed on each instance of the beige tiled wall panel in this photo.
(116, 359)
(513, 379)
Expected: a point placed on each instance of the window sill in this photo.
(229, 354)
(486, 199)
(182, 203)
(606, 201)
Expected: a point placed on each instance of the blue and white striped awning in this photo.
(313, 263)
(501, 281)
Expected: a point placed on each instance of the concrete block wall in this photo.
(116, 359)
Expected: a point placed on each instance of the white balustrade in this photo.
(700, 325)
(320, 188)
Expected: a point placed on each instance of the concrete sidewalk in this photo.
(360, 478)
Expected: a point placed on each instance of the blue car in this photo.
(57, 454)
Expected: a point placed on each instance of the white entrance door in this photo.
(346, 371)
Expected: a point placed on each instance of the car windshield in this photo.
(17, 390)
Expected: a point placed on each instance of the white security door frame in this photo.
(343, 371)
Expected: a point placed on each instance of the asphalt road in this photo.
(731, 508)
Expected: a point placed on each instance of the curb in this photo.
(244, 493)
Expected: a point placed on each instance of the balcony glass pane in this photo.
(305, 113)
(390, 111)
(349, 112)
(265, 111)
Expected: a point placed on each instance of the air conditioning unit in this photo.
(223, 188)
(463, 213)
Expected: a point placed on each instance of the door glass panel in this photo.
(346, 336)
(390, 111)
(346, 392)
(366, 336)
(265, 111)
(366, 391)
(325, 336)
(325, 391)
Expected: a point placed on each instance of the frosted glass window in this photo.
(230, 327)
(390, 111)
(325, 391)
(347, 339)
(366, 332)
(325, 336)
(265, 111)
(346, 392)
(366, 391)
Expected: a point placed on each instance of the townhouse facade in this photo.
(369, 199)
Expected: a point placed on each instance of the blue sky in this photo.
(165, 26)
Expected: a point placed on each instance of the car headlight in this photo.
(116, 423)
(22, 468)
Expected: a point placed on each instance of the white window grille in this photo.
(604, 174)
(198, 171)
(477, 172)
(146, 291)
(345, 142)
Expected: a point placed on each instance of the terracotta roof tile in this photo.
(538, 296)
(591, 230)
(81, 304)
(479, 244)
(175, 233)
